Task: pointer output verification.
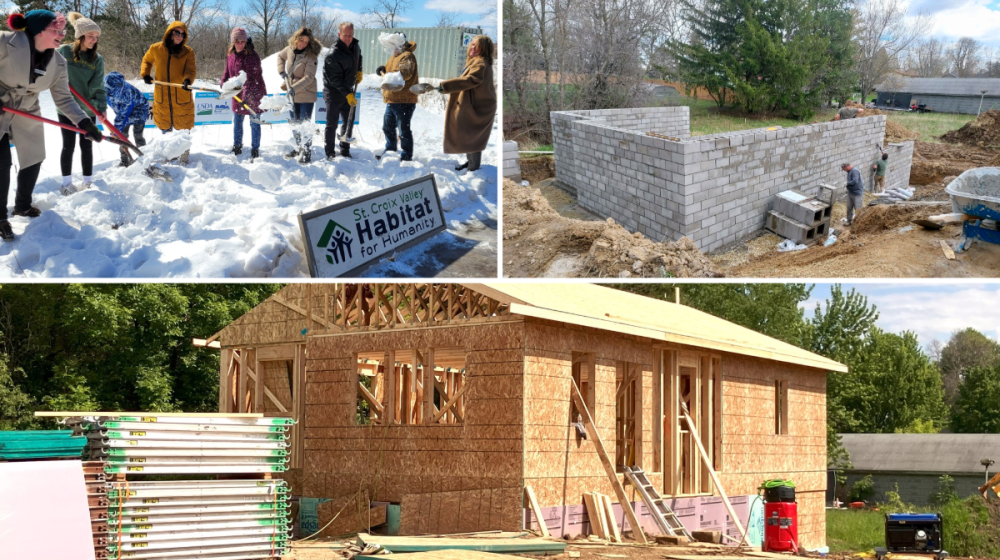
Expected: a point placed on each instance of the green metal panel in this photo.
(440, 50)
(40, 444)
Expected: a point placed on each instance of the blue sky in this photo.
(932, 309)
(979, 19)
(424, 13)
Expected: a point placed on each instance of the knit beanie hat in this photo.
(238, 34)
(33, 22)
(82, 25)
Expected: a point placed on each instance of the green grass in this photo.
(854, 531)
(930, 125)
(707, 119)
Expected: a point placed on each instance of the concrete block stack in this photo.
(801, 218)
(511, 162)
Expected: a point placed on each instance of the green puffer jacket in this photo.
(87, 78)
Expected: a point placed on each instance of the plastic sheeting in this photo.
(40, 500)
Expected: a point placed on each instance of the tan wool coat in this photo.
(472, 106)
(406, 64)
(301, 69)
(28, 136)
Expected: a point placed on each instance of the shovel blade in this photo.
(158, 173)
(421, 88)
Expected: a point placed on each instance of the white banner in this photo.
(346, 238)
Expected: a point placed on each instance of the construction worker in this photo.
(855, 192)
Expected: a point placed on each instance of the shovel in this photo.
(219, 94)
(421, 88)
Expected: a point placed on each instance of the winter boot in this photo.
(346, 153)
(292, 154)
(29, 212)
(6, 232)
(237, 149)
(254, 154)
(475, 159)
(127, 160)
(461, 167)
(306, 156)
(186, 157)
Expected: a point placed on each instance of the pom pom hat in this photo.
(82, 25)
(34, 22)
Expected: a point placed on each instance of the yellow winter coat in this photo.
(172, 107)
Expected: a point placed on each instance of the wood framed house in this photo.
(446, 400)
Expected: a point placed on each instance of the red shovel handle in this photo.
(124, 140)
(76, 129)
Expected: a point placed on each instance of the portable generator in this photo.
(914, 533)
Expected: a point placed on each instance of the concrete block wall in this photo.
(900, 160)
(713, 189)
(511, 162)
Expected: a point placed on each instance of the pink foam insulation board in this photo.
(43, 511)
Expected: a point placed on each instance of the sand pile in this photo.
(875, 219)
(895, 132)
(539, 168)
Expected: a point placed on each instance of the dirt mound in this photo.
(983, 132)
(895, 132)
(885, 217)
(618, 253)
(933, 161)
(534, 169)
(538, 241)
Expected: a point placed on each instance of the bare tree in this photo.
(386, 13)
(883, 32)
(265, 18)
(964, 57)
(195, 10)
(447, 19)
(929, 59)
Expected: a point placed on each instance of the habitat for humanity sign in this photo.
(346, 238)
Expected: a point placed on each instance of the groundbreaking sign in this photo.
(347, 238)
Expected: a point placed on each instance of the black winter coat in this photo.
(340, 71)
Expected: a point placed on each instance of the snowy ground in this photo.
(226, 217)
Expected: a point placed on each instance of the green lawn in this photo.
(854, 531)
(930, 125)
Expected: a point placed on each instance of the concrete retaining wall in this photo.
(511, 162)
(713, 189)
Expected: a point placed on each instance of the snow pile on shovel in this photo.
(392, 41)
(393, 81)
(234, 84)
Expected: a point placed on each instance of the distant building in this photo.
(942, 95)
(916, 462)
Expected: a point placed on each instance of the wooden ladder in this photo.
(665, 518)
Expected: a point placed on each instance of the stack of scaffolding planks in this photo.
(185, 445)
(136, 515)
(40, 444)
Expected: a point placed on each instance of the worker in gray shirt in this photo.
(855, 191)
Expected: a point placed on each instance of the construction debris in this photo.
(497, 545)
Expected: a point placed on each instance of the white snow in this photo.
(226, 217)
(394, 79)
(236, 82)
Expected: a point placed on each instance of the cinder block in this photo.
(801, 207)
(799, 233)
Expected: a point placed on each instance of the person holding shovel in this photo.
(472, 105)
(173, 63)
(131, 111)
(86, 75)
(29, 65)
(243, 57)
(341, 75)
(399, 102)
(297, 65)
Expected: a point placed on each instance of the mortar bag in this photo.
(392, 41)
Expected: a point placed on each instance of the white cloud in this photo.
(935, 314)
(972, 18)
(462, 6)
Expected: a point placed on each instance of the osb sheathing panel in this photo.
(484, 454)
(352, 513)
(749, 442)
(562, 465)
(461, 511)
(273, 323)
(277, 379)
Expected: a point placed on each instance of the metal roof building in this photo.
(915, 462)
(943, 95)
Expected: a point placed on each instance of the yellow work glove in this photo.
(351, 100)
(360, 77)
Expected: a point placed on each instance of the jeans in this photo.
(398, 115)
(238, 131)
(337, 110)
(26, 179)
(69, 145)
(300, 113)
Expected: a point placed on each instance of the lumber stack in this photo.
(187, 517)
(40, 444)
